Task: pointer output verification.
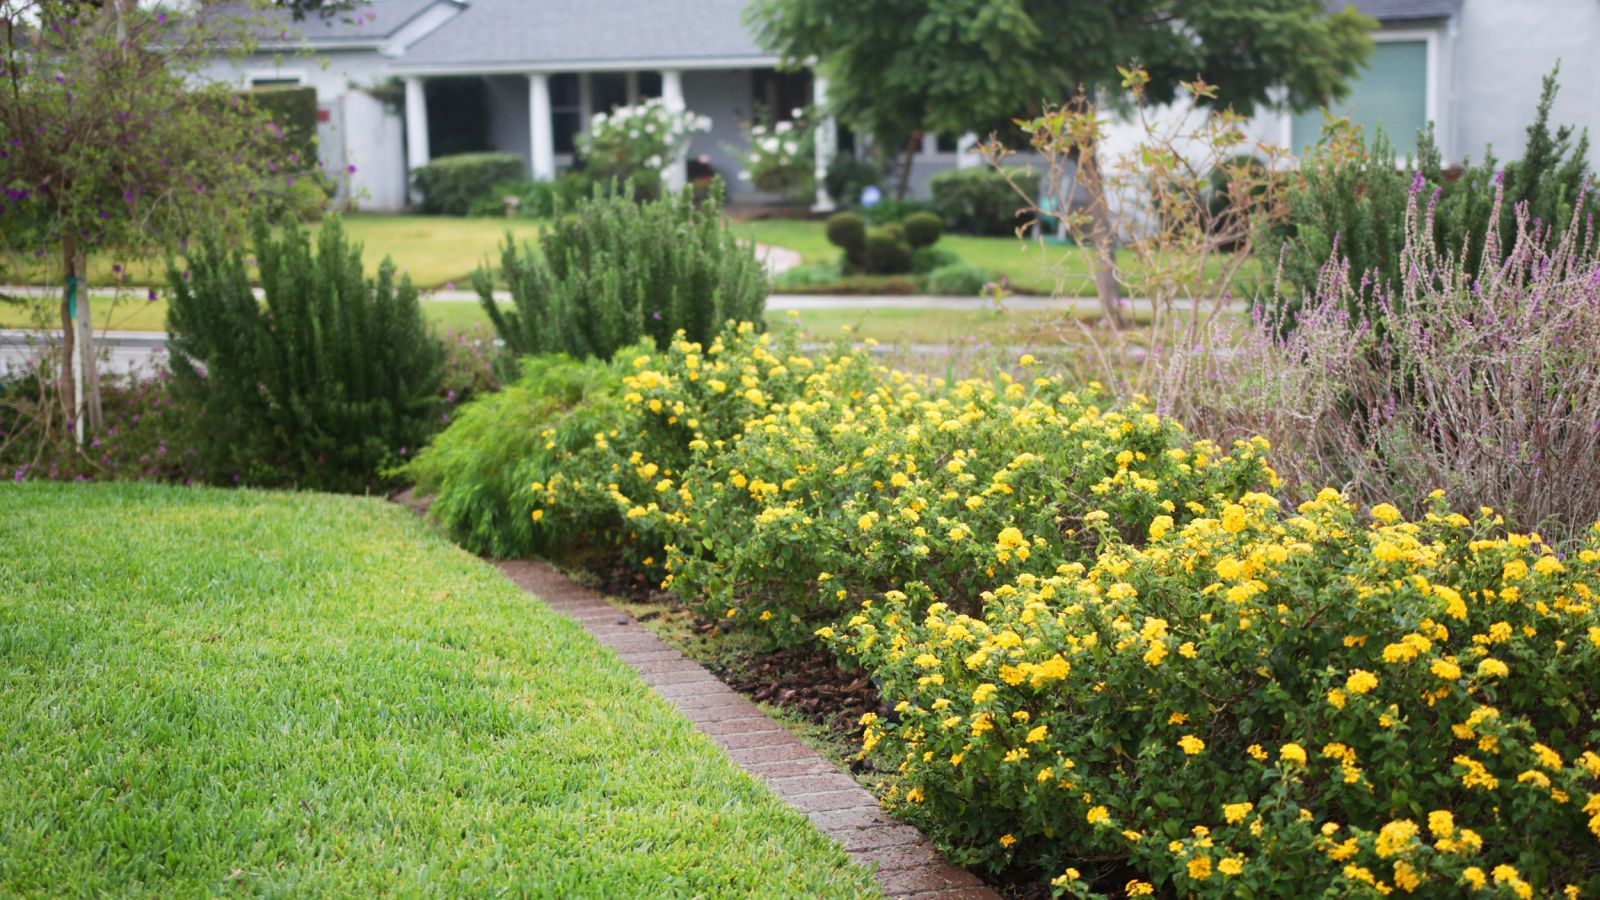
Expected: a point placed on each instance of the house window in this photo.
(608, 90)
(566, 111)
(776, 95)
(279, 81)
(1392, 93)
(947, 143)
(649, 85)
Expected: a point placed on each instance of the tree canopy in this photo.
(896, 67)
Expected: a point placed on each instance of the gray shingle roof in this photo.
(550, 33)
(1403, 10)
(374, 21)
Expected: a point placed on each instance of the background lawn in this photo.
(443, 250)
(239, 692)
(909, 324)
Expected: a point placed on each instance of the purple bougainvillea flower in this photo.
(161, 18)
(351, 168)
(152, 295)
(289, 181)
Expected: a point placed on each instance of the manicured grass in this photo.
(908, 324)
(215, 692)
(433, 250)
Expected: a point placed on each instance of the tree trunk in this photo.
(89, 370)
(69, 384)
(1103, 232)
(913, 144)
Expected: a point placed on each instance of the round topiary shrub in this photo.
(957, 280)
(847, 231)
(887, 253)
(926, 259)
(923, 229)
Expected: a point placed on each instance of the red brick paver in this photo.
(907, 866)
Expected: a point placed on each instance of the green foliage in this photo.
(958, 280)
(847, 177)
(902, 67)
(535, 199)
(1257, 703)
(1351, 202)
(450, 184)
(478, 470)
(848, 232)
(886, 251)
(614, 271)
(894, 209)
(328, 379)
(980, 201)
(922, 229)
(293, 111)
(298, 694)
(926, 259)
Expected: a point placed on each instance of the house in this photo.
(411, 80)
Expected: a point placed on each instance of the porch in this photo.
(540, 115)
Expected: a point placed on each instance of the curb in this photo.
(906, 865)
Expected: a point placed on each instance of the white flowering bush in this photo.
(781, 158)
(638, 142)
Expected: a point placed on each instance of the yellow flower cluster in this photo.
(1405, 630)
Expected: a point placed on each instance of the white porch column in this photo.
(967, 155)
(677, 172)
(826, 139)
(542, 146)
(416, 125)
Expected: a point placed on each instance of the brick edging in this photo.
(906, 865)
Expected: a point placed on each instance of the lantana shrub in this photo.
(1327, 703)
(636, 143)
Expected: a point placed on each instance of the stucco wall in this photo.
(1502, 50)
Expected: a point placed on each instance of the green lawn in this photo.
(909, 324)
(434, 250)
(211, 692)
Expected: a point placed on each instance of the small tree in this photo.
(897, 69)
(111, 143)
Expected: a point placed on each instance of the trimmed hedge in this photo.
(979, 201)
(450, 184)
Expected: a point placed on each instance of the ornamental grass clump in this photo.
(1328, 702)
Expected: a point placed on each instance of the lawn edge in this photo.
(901, 858)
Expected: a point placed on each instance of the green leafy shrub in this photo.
(613, 271)
(922, 229)
(886, 251)
(292, 114)
(890, 210)
(980, 201)
(847, 177)
(1258, 704)
(635, 144)
(450, 184)
(848, 232)
(925, 259)
(478, 470)
(1350, 203)
(958, 280)
(322, 383)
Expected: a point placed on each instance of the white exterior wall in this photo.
(374, 135)
(1503, 50)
